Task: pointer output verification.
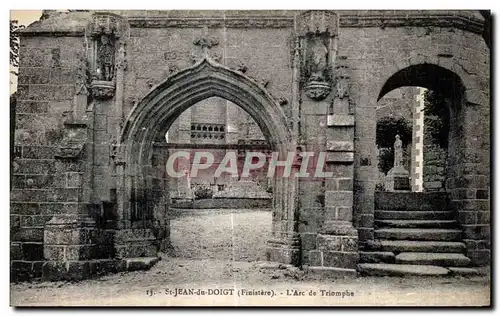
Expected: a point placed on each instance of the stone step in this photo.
(463, 271)
(376, 257)
(398, 246)
(386, 269)
(416, 223)
(413, 215)
(436, 259)
(430, 234)
(414, 201)
(140, 263)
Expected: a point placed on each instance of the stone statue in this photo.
(398, 152)
(105, 58)
(318, 59)
(341, 88)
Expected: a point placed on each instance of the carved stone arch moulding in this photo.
(204, 79)
(155, 113)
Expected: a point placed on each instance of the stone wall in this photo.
(42, 187)
(434, 168)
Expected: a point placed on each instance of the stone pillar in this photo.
(337, 241)
(417, 149)
(181, 187)
(71, 240)
(365, 164)
(329, 240)
(160, 199)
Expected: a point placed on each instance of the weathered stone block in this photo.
(476, 231)
(28, 234)
(483, 217)
(74, 180)
(350, 244)
(340, 120)
(347, 260)
(339, 146)
(344, 213)
(54, 253)
(338, 198)
(308, 241)
(32, 251)
(480, 257)
(365, 233)
(339, 157)
(24, 208)
(16, 251)
(316, 258)
(345, 184)
(365, 220)
(329, 243)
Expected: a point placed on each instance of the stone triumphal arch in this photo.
(98, 91)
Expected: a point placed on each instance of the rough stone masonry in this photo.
(98, 90)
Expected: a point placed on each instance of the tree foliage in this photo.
(437, 117)
(385, 159)
(389, 127)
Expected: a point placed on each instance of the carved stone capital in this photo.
(103, 90)
(69, 151)
(317, 90)
(106, 23)
(317, 22)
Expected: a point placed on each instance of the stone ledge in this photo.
(384, 269)
(340, 120)
(329, 272)
(344, 157)
(339, 146)
(274, 266)
(143, 263)
(76, 270)
(463, 271)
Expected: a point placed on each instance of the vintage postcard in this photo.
(250, 158)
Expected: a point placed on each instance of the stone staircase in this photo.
(415, 234)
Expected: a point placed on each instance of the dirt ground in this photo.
(217, 256)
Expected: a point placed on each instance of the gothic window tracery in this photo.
(207, 131)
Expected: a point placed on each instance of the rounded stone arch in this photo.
(428, 76)
(438, 78)
(152, 117)
(421, 59)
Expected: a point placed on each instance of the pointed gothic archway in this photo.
(140, 168)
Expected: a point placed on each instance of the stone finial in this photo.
(104, 23)
(206, 42)
(317, 22)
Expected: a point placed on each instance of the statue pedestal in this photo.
(397, 179)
